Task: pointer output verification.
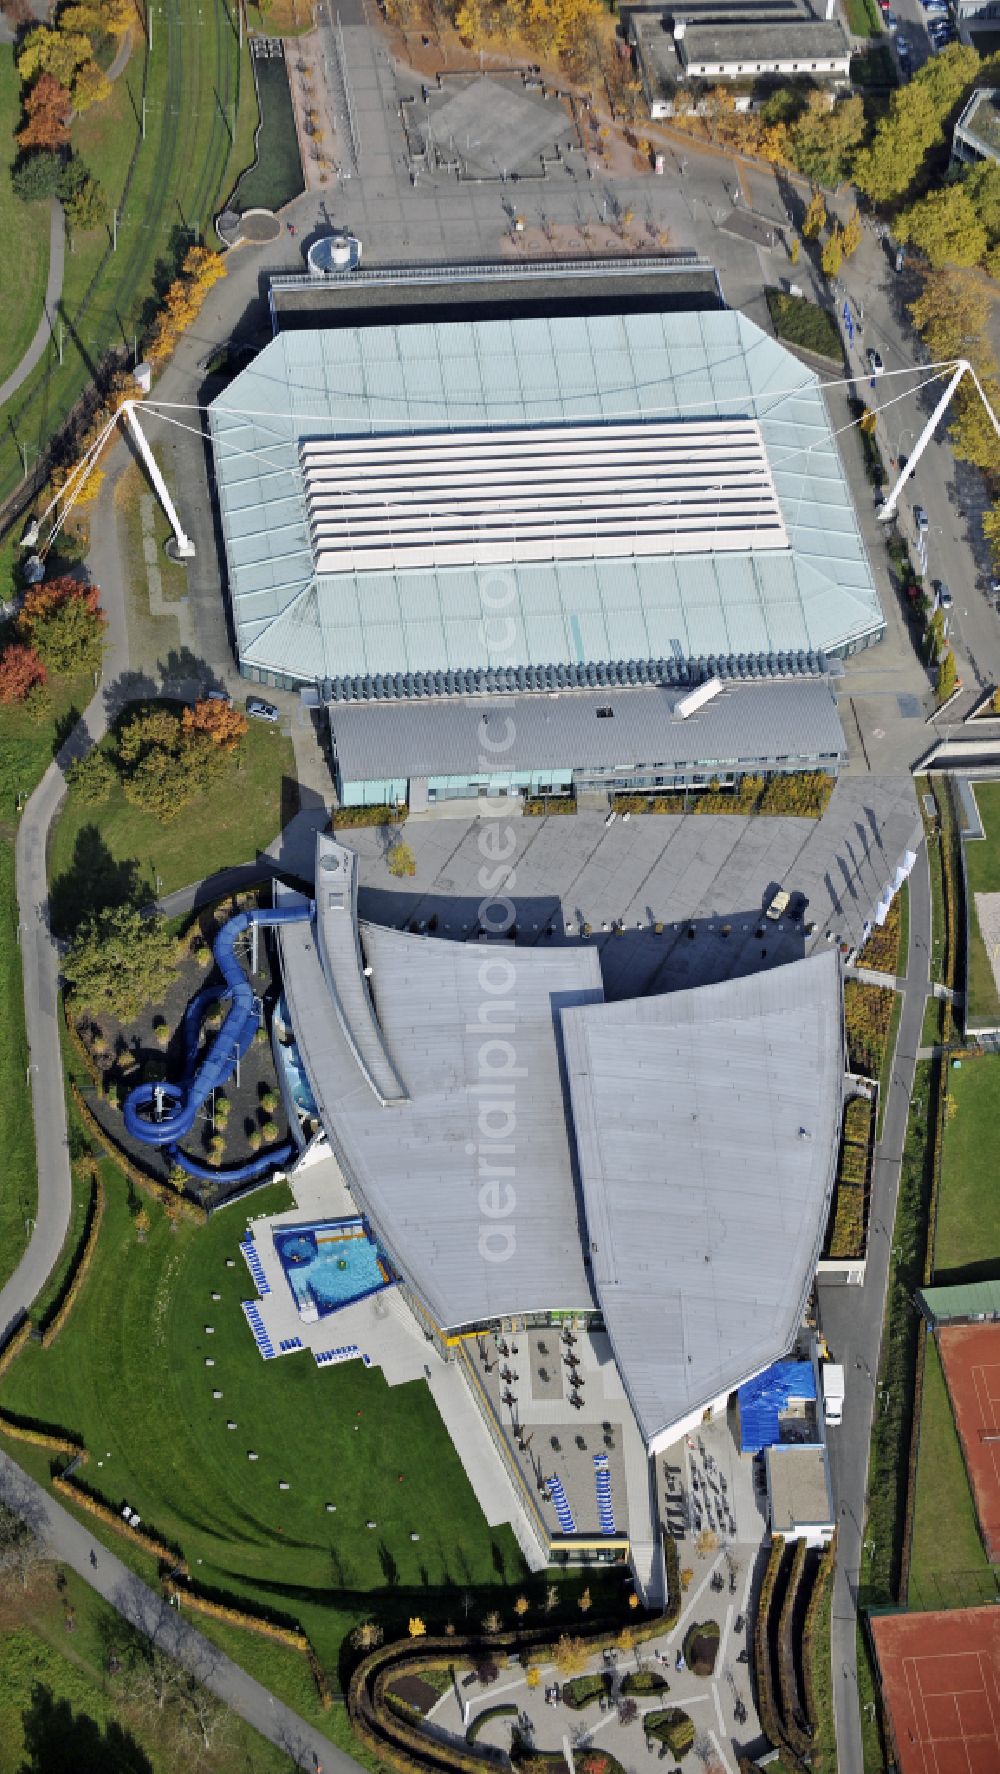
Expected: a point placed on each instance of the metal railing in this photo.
(528, 271)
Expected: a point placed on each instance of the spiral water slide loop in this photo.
(161, 1114)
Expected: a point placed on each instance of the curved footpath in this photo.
(57, 263)
(68, 1539)
(53, 297)
(71, 1542)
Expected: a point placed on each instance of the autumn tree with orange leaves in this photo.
(47, 106)
(64, 622)
(20, 671)
(217, 721)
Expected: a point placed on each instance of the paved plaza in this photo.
(705, 878)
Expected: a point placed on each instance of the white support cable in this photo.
(698, 406)
(888, 509)
(72, 487)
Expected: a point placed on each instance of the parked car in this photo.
(259, 710)
(875, 364)
(903, 52)
(920, 520)
(219, 696)
(944, 597)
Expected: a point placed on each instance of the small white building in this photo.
(800, 1505)
(709, 43)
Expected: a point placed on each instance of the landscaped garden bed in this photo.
(847, 1234)
(672, 1727)
(797, 321)
(583, 1690)
(701, 1647)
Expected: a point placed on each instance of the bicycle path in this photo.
(53, 297)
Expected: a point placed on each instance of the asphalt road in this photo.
(72, 1544)
(851, 1318)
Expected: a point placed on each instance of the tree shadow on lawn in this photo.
(57, 1737)
(95, 879)
(966, 1273)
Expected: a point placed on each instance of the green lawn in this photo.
(967, 1244)
(116, 852)
(982, 862)
(863, 18)
(22, 273)
(948, 1567)
(128, 1374)
(59, 1709)
(195, 91)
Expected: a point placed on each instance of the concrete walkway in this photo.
(72, 1543)
(852, 1319)
(53, 297)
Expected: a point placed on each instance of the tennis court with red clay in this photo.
(970, 1356)
(941, 1682)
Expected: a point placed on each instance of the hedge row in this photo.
(39, 1437)
(767, 1710)
(400, 1745)
(346, 816)
(293, 1636)
(318, 1673)
(151, 1543)
(505, 1709)
(821, 1582)
(804, 793)
(170, 1199)
(538, 808)
(14, 1344)
(791, 1704)
(82, 1262)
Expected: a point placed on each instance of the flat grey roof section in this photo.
(340, 954)
(798, 1484)
(420, 1169)
(817, 595)
(707, 1125)
(764, 43)
(745, 723)
(401, 295)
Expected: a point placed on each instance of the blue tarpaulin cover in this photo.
(761, 1401)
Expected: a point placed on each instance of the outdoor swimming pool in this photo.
(329, 1264)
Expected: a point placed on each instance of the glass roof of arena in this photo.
(814, 593)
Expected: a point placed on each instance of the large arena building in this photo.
(454, 507)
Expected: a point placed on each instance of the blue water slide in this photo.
(160, 1114)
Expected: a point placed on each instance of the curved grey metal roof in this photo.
(707, 1127)
(340, 954)
(434, 1172)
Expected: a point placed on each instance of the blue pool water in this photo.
(329, 1264)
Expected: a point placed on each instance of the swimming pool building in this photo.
(524, 1154)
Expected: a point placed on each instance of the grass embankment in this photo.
(195, 92)
(60, 1707)
(982, 865)
(948, 1567)
(26, 746)
(116, 852)
(863, 18)
(128, 1373)
(24, 269)
(967, 1244)
(797, 321)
